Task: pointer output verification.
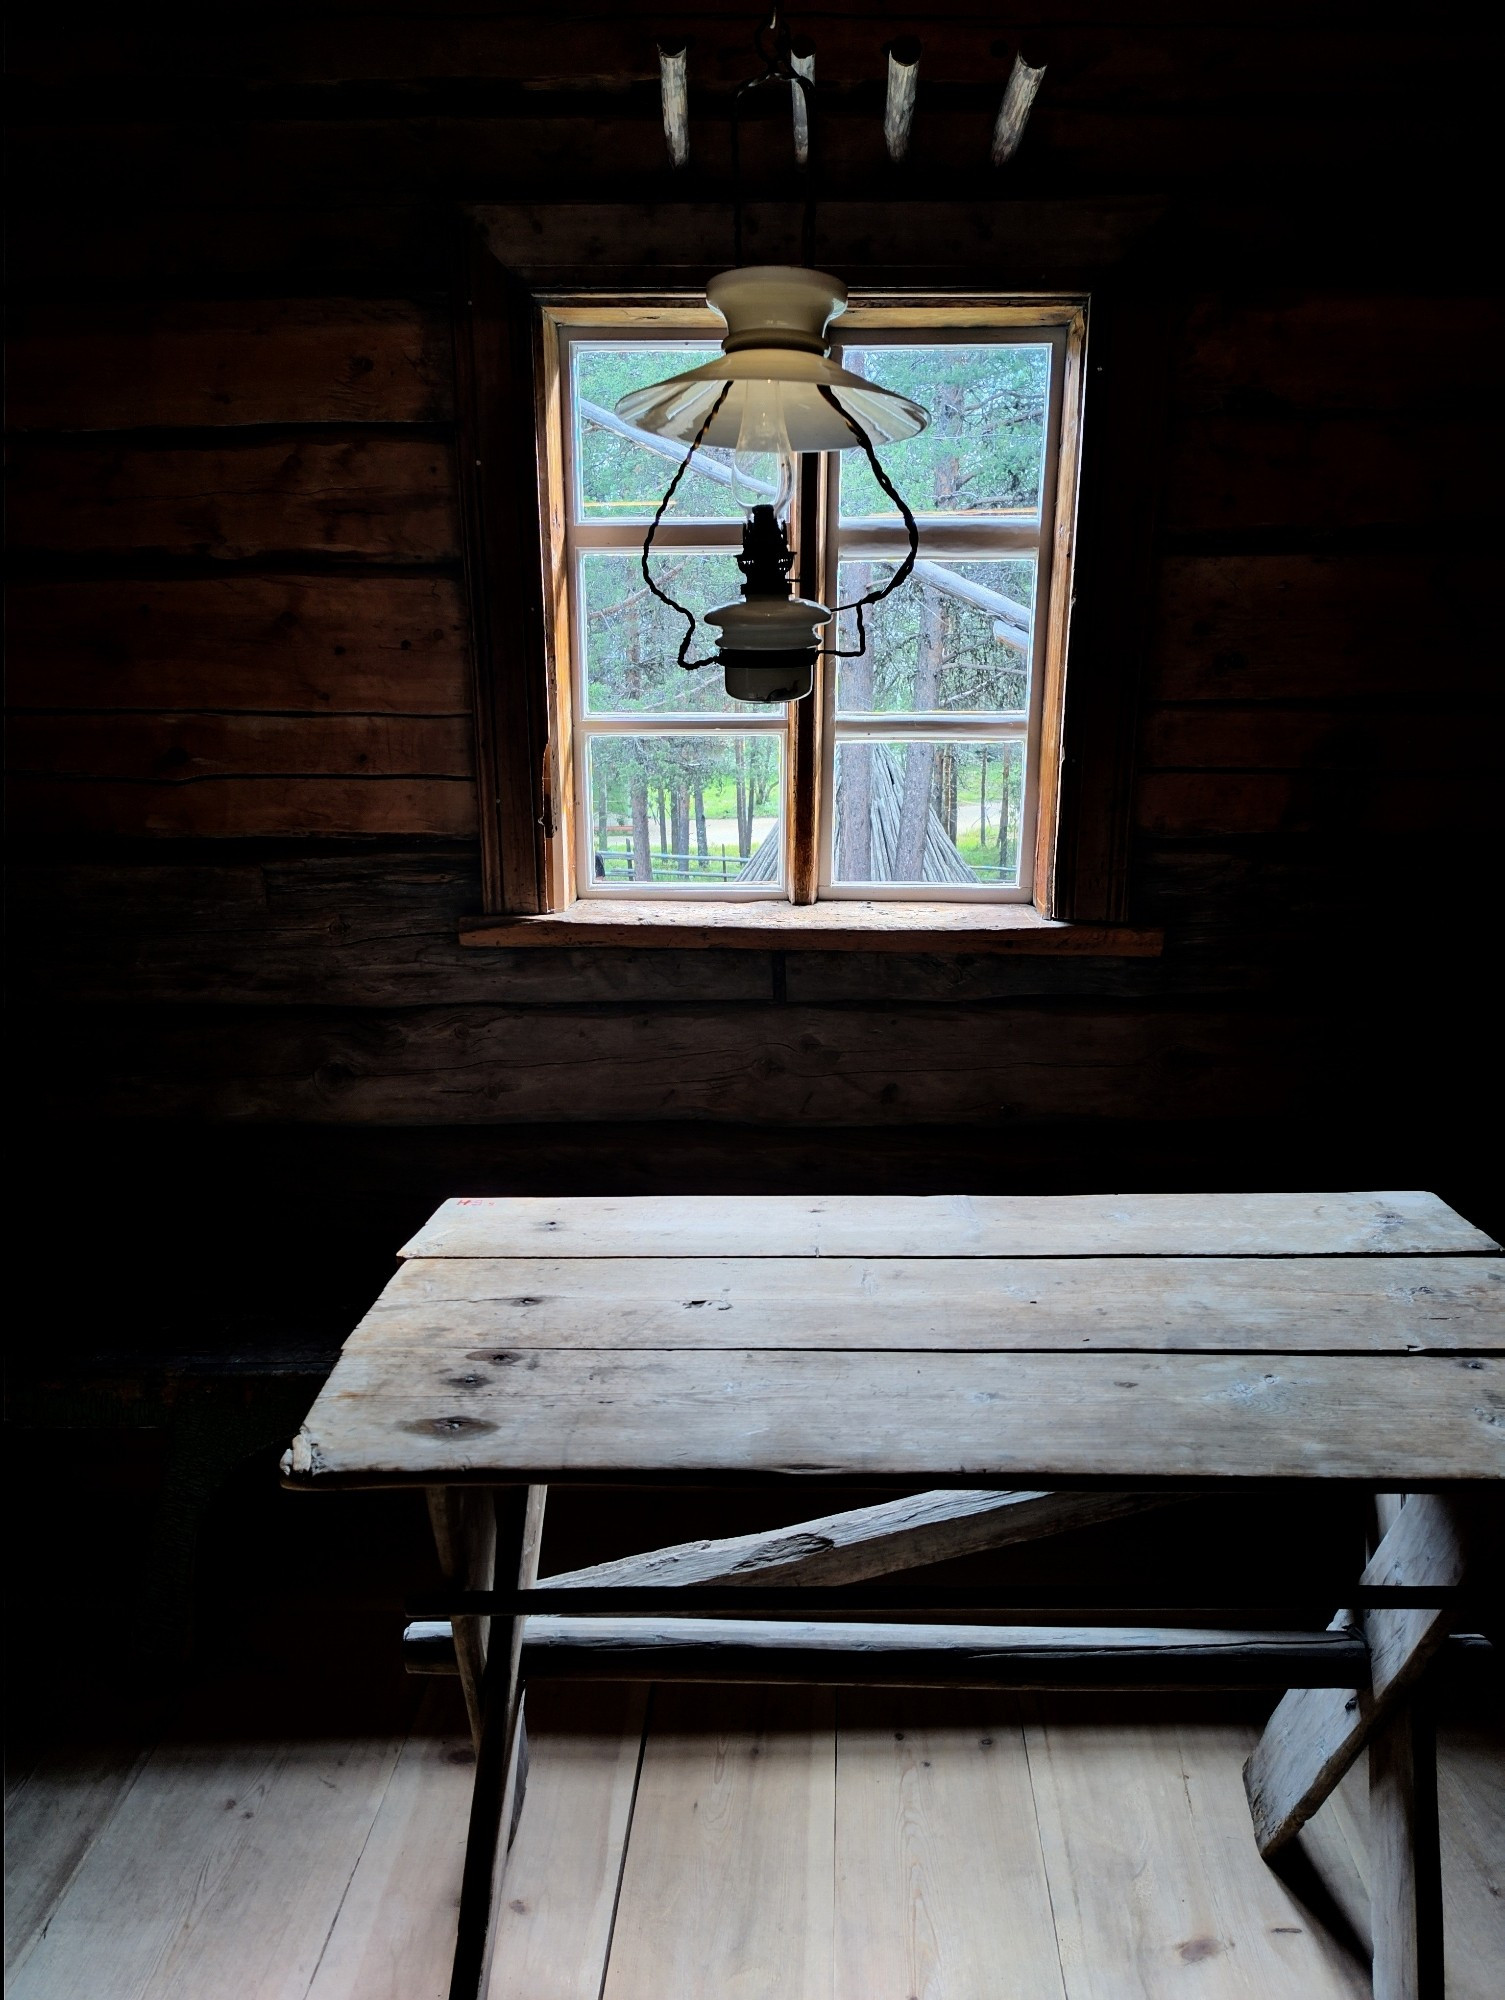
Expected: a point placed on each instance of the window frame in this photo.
(810, 730)
(1062, 325)
(511, 259)
(568, 327)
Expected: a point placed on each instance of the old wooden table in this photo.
(1108, 1345)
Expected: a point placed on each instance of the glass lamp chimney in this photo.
(764, 466)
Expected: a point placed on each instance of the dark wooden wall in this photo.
(241, 794)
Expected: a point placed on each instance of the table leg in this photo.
(1405, 1864)
(464, 1523)
(518, 1519)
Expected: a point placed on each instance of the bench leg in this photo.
(1405, 1862)
(500, 1751)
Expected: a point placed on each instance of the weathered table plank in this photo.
(399, 1415)
(460, 1307)
(1106, 1225)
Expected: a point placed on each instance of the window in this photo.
(933, 730)
(919, 770)
(938, 788)
(529, 293)
(676, 789)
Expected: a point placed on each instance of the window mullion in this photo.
(675, 722)
(693, 536)
(803, 808)
(947, 727)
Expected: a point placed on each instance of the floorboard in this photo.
(53, 1816)
(772, 1842)
(223, 1874)
(1155, 1881)
(1471, 1807)
(1332, 1850)
(728, 1882)
(940, 1882)
(565, 1869)
(393, 1934)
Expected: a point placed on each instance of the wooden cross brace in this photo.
(1315, 1734)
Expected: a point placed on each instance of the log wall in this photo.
(241, 769)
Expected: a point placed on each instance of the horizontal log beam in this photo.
(1024, 1657)
(366, 494)
(453, 1064)
(118, 364)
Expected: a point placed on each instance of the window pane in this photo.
(686, 811)
(621, 478)
(632, 640)
(953, 638)
(928, 812)
(983, 451)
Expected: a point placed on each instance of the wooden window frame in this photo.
(1064, 322)
(510, 394)
(561, 323)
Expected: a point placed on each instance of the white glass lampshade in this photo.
(775, 359)
(768, 624)
(767, 646)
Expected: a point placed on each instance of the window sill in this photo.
(835, 926)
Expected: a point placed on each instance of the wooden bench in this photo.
(1011, 1366)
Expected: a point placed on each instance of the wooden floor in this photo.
(739, 1843)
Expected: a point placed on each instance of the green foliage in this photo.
(632, 639)
(690, 802)
(973, 792)
(929, 649)
(983, 450)
(620, 480)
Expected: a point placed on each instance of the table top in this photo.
(1084, 1340)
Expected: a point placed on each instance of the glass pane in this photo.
(632, 640)
(686, 811)
(983, 451)
(623, 478)
(954, 638)
(929, 812)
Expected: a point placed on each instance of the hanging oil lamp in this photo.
(772, 391)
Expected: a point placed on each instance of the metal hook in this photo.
(779, 66)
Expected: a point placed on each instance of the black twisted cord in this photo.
(901, 574)
(662, 595)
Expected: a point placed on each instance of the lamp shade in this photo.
(775, 359)
(768, 624)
